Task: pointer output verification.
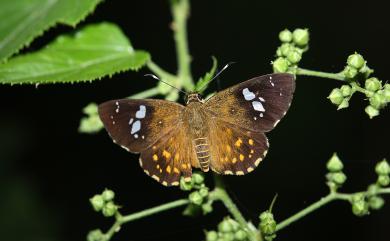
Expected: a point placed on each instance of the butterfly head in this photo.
(193, 97)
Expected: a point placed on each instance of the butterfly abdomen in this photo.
(202, 150)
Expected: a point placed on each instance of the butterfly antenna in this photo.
(155, 77)
(218, 73)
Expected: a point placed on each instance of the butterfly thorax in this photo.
(197, 119)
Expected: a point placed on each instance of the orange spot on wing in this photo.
(168, 169)
(250, 141)
(166, 154)
(252, 151)
(155, 157)
(241, 157)
(175, 170)
(228, 148)
(176, 156)
(234, 160)
(238, 142)
(184, 166)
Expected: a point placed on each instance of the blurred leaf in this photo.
(24, 20)
(203, 82)
(95, 51)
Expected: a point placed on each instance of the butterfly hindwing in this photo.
(235, 150)
(137, 124)
(258, 103)
(169, 158)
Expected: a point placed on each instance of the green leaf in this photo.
(24, 20)
(95, 51)
(203, 82)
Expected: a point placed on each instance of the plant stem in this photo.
(146, 93)
(157, 70)
(323, 201)
(219, 193)
(144, 213)
(336, 76)
(180, 11)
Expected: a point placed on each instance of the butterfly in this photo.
(224, 133)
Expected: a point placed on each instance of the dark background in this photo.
(48, 171)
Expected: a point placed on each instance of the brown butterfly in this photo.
(224, 133)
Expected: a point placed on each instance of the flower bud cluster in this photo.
(267, 225)
(228, 230)
(335, 177)
(104, 202)
(289, 54)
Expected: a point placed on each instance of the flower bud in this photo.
(336, 96)
(285, 36)
(377, 100)
(344, 104)
(240, 235)
(372, 190)
(207, 208)
(95, 235)
(227, 236)
(211, 236)
(371, 111)
(376, 202)
(109, 209)
(225, 226)
(383, 180)
(382, 168)
(339, 178)
(372, 84)
(301, 37)
(195, 198)
(280, 65)
(334, 164)
(267, 223)
(350, 72)
(108, 195)
(294, 57)
(359, 205)
(346, 90)
(185, 186)
(197, 178)
(285, 49)
(97, 202)
(204, 191)
(356, 61)
(386, 92)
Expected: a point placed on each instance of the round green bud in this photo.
(207, 208)
(350, 72)
(376, 202)
(266, 215)
(359, 205)
(279, 52)
(195, 198)
(185, 186)
(97, 202)
(109, 209)
(346, 90)
(372, 190)
(108, 195)
(383, 180)
(371, 111)
(204, 191)
(334, 164)
(356, 61)
(240, 235)
(372, 84)
(197, 178)
(336, 96)
(377, 100)
(301, 37)
(285, 49)
(280, 65)
(95, 235)
(386, 93)
(294, 57)
(270, 237)
(225, 226)
(339, 178)
(285, 36)
(211, 236)
(227, 236)
(234, 224)
(268, 227)
(382, 168)
(344, 104)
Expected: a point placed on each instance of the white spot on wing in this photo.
(131, 121)
(141, 112)
(136, 136)
(261, 99)
(261, 115)
(248, 95)
(258, 106)
(136, 127)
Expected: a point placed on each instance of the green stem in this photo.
(323, 201)
(144, 213)
(180, 11)
(356, 87)
(219, 193)
(146, 93)
(336, 76)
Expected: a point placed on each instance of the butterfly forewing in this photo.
(234, 149)
(258, 103)
(137, 124)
